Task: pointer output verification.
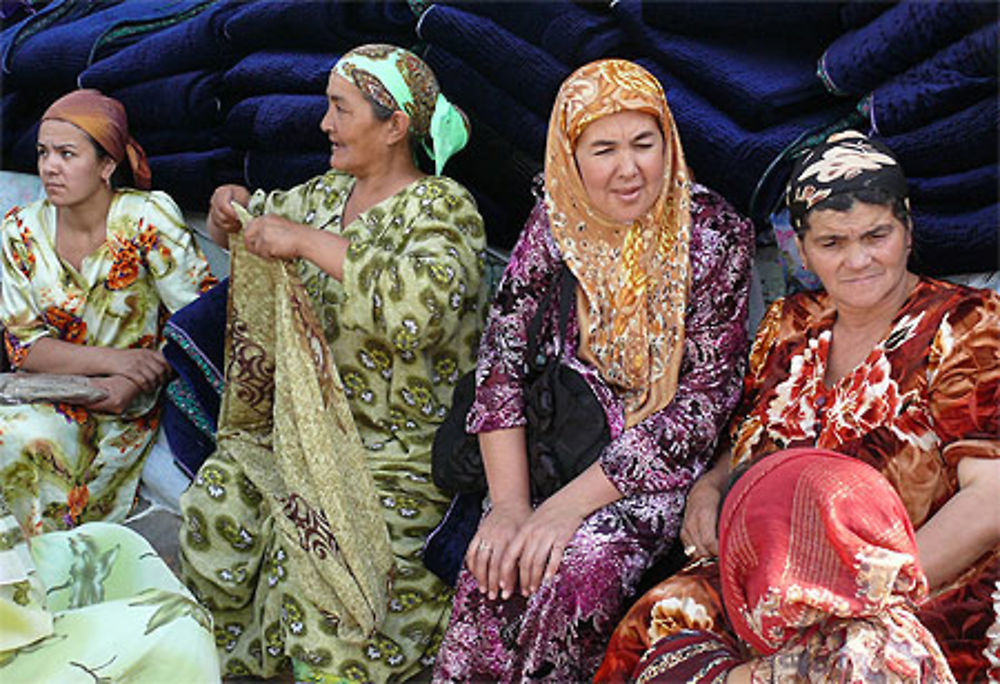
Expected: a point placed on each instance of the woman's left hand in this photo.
(537, 549)
(273, 237)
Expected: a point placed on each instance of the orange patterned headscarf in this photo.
(103, 119)
(633, 279)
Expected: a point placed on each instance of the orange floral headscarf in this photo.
(103, 119)
(633, 279)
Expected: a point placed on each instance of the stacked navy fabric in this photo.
(926, 74)
(277, 87)
(232, 90)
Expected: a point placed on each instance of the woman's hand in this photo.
(273, 237)
(489, 546)
(121, 393)
(701, 515)
(222, 218)
(146, 368)
(537, 549)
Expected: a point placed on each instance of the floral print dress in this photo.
(96, 604)
(560, 631)
(60, 464)
(924, 398)
(402, 326)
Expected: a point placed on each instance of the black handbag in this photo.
(566, 432)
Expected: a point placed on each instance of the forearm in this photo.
(48, 355)
(588, 491)
(326, 250)
(505, 460)
(962, 530)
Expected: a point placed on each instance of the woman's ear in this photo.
(802, 252)
(398, 127)
(108, 166)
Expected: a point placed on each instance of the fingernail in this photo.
(506, 594)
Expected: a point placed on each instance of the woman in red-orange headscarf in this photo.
(820, 579)
(88, 274)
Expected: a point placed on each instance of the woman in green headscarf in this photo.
(356, 302)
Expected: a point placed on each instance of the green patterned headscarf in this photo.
(397, 79)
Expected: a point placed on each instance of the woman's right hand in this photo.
(222, 218)
(146, 368)
(121, 392)
(701, 514)
(487, 547)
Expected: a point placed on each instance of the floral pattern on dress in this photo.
(562, 629)
(61, 464)
(925, 397)
(402, 326)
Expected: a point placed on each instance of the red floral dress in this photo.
(926, 396)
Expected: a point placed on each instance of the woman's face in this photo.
(356, 136)
(621, 162)
(859, 255)
(68, 164)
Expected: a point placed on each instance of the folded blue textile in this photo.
(276, 71)
(280, 170)
(856, 13)
(964, 140)
(54, 57)
(526, 72)
(278, 123)
(566, 30)
(964, 190)
(191, 177)
(758, 83)
(958, 76)
(320, 26)
(197, 43)
(522, 127)
(724, 155)
(817, 21)
(952, 242)
(902, 36)
(188, 100)
(162, 140)
(195, 348)
(59, 11)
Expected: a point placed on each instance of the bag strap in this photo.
(567, 292)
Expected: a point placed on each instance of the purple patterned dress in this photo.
(561, 631)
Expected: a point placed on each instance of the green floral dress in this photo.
(60, 464)
(96, 604)
(401, 327)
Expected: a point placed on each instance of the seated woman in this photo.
(303, 531)
(894, 369)
(838, 609)
(88, 276)
(658, 330)
(96, 604)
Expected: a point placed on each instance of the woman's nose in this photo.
(628, 166)
(858, 256)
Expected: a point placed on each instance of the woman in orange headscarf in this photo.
(660, 269)
(88, 274)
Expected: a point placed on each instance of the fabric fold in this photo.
(295, 401)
